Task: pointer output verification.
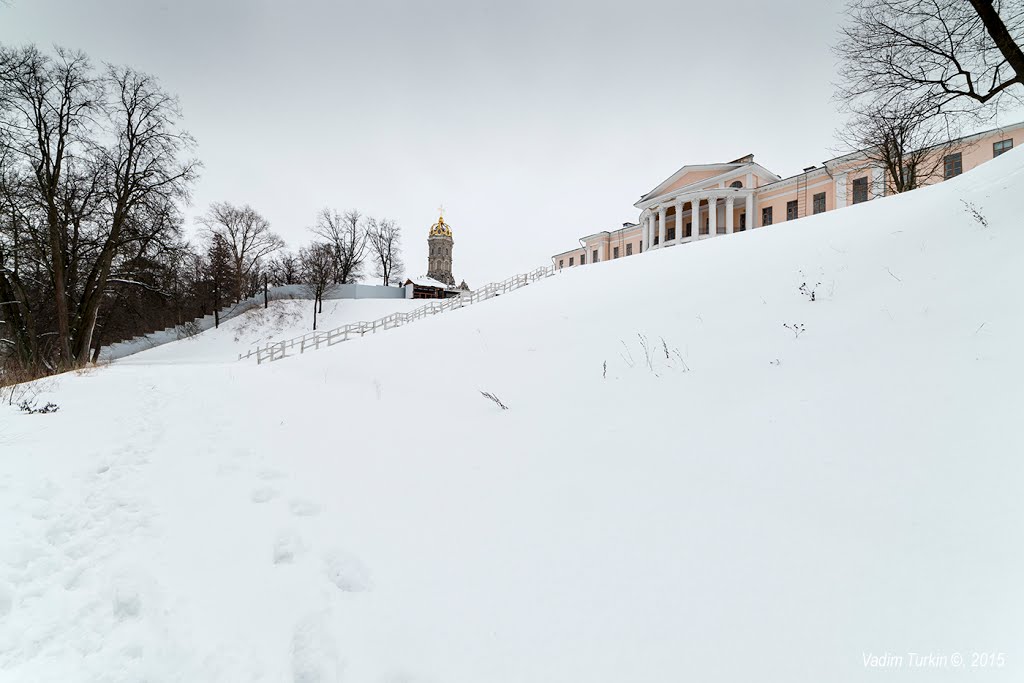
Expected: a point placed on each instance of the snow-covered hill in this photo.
(282, 319)
(744, 501)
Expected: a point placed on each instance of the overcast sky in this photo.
(534, 122)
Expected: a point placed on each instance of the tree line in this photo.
(96, 170)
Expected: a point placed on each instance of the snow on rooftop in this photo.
(424, 281)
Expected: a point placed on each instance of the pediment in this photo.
(690, 178)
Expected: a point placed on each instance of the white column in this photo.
(695, 219)
(877, 183)
(728, 214)
(679, 221)
(841, 191)
(661, 225)
(712, 216)
(750, 210)
(645, 232)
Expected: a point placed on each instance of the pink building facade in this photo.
(701, 201)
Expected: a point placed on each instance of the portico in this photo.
(696, 215)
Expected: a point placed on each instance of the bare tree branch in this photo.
(950, 56)
(347, 236)
(384, 237)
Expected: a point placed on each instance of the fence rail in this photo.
(312, 341)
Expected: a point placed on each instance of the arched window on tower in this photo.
(736, 183)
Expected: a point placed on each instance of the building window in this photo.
(689, 230)
(615, 252)
(594, 258)
(792, 210)
(736, 183)
(860, 190)
(1001, 146)
(907, 176)
(952, 165)
(571, 259)
(629, 249)
(766, 216)
(819, 202)
(561, 263)
(743, 222)
(657, 237)
(583, 259)
(671, 234)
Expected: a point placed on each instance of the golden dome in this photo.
(440, 228)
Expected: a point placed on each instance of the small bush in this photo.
(488, 395)
(18, 384)
(796, 328)
(33, 408)
(658, 358)
(810, 291)
(975, 213)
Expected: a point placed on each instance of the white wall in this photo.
(148, 341)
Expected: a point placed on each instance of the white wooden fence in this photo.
(272, 351)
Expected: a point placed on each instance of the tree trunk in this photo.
(60, 299)
(95, 285)
(238, 281)
(83, 342)
(1000, 35)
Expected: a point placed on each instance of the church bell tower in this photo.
(439, 252)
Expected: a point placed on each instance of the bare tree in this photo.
(284, 269)
(96, 167)
(48, 104)
(384, 237)
(143, 180)
(347, 236)
(247, 234)
(950, 55)
(318, 269)
(903, 140)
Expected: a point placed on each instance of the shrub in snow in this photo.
(492, 397)
(796, 328)
(32, 408)
(809, 291)
(658, 359)
(973, 211)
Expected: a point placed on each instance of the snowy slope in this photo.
(757, 507)
(282, 319)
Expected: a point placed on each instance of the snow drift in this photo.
(703, 475)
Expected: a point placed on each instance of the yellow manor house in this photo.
(720, 199)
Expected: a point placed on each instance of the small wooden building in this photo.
(424, 287)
